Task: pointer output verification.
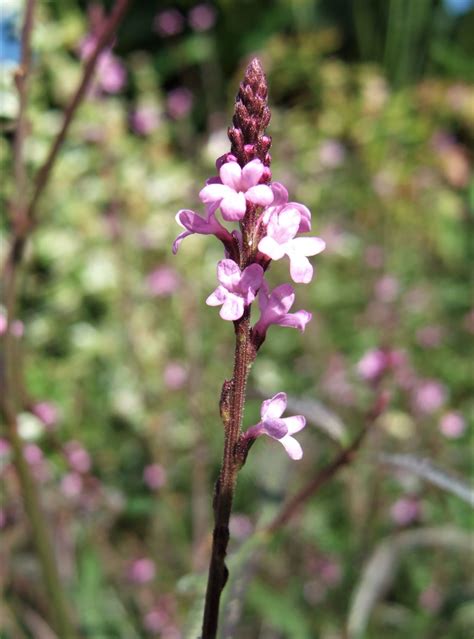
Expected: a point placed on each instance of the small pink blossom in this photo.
(163, 281)
(111, 75)
(235, 187)
(33, 454)
(280, 428)
(274, 307)
(431, 599)
(154, 476)
(17, 327)
(237, 288)
(194, 223)
(168, 23)
(372, 365)
(387, 288)
(332, 154)
(142, 571)
(46, 412)
(280, 204)
(145, 119)
(452, 425)
(77, 456)
(202, 17)
(71, 485)
(429, 396)
(405, 511)
(179, 103)
(240, 526)
(175, 375)
(374, 256)
(280, 241)
(430, 336)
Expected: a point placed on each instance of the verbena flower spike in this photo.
(259, 224)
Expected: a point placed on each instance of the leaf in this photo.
(381, 567)
(425, 469)
(318, 415)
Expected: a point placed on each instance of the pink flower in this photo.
(145, 119)
(179, 103)
(202, 17)
(280, 240)
(237, 288)
(110, 72)
(168, 23)
(194, 223)
(78, 458)
(280, 428)
(387, 288)
(33, 454)
(332, 154)
(430, 336)
(280, 203)
(46, 412)
(164, 280)
(235, 187)
(274, 309)
(17, 327)
(71, 485)
(240, 526)
(429, 396)
(405, 511)
(372, 364)
(452, 425)
(154, 476)
(142, 571)
(175, 375)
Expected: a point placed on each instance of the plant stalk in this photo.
(226, 482)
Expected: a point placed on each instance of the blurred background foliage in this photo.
(373, 125)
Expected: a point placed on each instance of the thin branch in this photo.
(104, 40)
(345, 457)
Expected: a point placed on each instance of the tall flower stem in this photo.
(248, 141)
(232, 408)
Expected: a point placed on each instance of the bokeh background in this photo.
(373, 125)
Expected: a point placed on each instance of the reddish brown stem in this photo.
(225, 486)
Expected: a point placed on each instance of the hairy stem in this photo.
(227, 478)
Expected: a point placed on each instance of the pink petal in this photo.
(275, 428)
(296, 320)
(295, 423)
(274, 407)
(233, 307)
(260, 194)
(271, 248)
(217, 297)
(178, 241)
(308, 245)
(251, 174)
(214, 192)
(283, 227)
(228, 274)
(233, 206)
(231, 174)
(263, 297)
(280, 194)
(281, 299)
(292, 447)
(300, 269)
(192, 221)
(251, 280)
(305, 222)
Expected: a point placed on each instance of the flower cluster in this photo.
(269, 228)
